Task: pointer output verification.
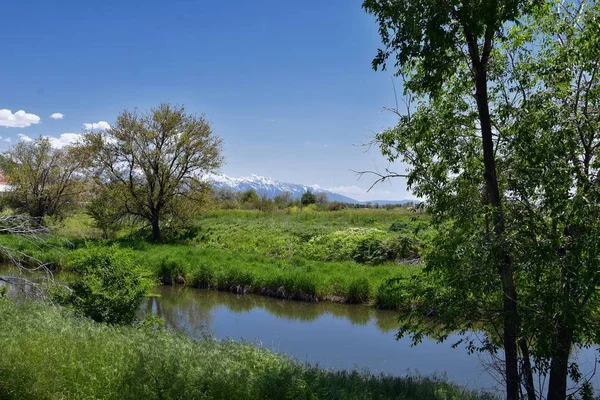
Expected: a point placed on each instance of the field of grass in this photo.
(49, 354)
(346, 255)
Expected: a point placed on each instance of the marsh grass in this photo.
(50, 354)
(305, 255)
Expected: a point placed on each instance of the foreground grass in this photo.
(49, 354)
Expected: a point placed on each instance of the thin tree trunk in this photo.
(527, 370)
(156, 235)
(559, 368)
(505, 267)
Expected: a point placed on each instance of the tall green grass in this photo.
(47, 353)
(306, 255)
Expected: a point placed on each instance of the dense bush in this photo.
(49, 354)
(370, 250)
(106, 285)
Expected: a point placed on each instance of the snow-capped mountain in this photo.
(271, 187)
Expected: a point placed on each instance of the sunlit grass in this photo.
(49, 354)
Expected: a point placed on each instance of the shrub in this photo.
(235, 280)
(391, 295)
(308, 197)
(398, 226)
(204, 277)
(106, 285)
(370, 250)
(402, 248)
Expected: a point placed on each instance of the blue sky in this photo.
(287, 85)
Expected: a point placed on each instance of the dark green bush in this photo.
(402, 248)
(370, 250)
(398, 226)
(389, 295)
(106, 285)
(203, 276)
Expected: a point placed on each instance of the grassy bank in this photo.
(49, 354)
(305, 255)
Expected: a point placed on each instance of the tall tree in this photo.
(535, 119)
(430, 39)
(44, 180)
(155, 160)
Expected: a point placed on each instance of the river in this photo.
(330, 335)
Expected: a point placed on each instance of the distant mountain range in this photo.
(270, 188)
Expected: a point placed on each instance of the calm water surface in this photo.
(331, 335)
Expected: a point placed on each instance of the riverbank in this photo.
(49, 354)
(307, 256)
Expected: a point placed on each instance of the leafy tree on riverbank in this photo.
(153, 162)
(500, 134)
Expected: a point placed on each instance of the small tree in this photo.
(307, 198)
(321, 198)
(44, 180)
(107, 214)
(284, 200)
(153, 161)
(249, 197)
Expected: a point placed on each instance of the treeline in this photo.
(251, 200)
(146, 168)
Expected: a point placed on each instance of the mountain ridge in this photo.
(269, 187)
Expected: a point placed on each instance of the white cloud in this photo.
(25, 138)
(7, 139)
(20, 119)
(101, 125)
(347, 190)
(57, 116)
(65, 139)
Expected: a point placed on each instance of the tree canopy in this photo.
(153, 162)
(44, 181)
(500, 135)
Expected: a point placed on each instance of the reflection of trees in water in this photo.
(181, 310)
(189, 310)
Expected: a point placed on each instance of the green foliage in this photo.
(151, 163)
(106, 215)
(510, 176)
(302, 255)
(106, 285)
(359, 291)
(369, 250)
(88, 360)
(44, 181)
(249, 196)
(308, 197)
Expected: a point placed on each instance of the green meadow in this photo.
(302, 254)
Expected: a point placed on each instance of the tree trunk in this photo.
(527, 370)
(156, 236)
(505, 267)
(559, 368)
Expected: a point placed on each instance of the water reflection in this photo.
(328, 334)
